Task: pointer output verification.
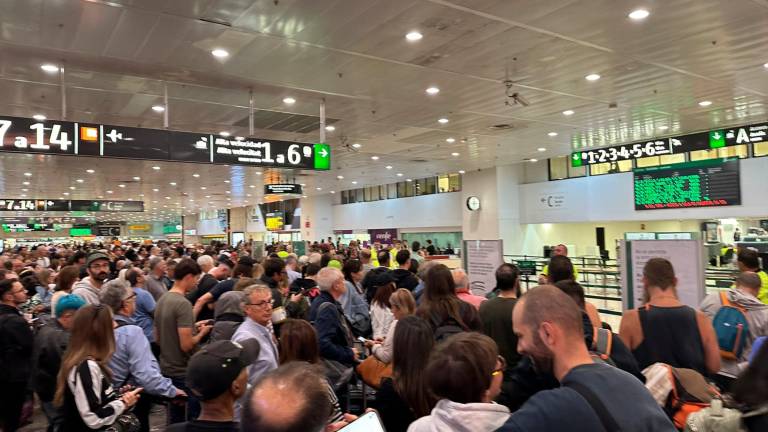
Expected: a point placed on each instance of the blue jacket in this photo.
(133, 362)
(332, 330)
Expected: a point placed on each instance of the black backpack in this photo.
(447, 328)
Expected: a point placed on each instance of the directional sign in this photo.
(674, 145)
(294, 189)
(30, 205)
(88, 139)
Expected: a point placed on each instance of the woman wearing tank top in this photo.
(667, 331)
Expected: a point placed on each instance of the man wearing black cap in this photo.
(97, 266)
(218, 376)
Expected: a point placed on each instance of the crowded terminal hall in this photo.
(383, 216)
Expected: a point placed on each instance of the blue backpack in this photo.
(731, 327)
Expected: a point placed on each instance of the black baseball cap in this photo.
(213, 369)
(93, 256)
(382, 279)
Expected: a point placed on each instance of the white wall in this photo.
(482, 224)
(611, 198)
(433, 211)
(319, 212)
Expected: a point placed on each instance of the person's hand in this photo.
(370, 343)
(333, 427)
(205, 329)
(180, 393)
(295, 298)
(379, 339)
(130, 398)
(355, 354)
(126, 388)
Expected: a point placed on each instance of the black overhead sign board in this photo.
(673, 145)
(294, 189)
(23, 135)
(21, 205)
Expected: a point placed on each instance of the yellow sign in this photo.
(144, 227)
(274, 221)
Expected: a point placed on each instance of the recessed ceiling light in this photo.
(66, 194)
(333, 192)
(414, 36)
(389, 167)
(450, 140)
(534, 160)
(455, 154)
(375, 157)
(27, 174)
(172, 183)
(26, 183)
(79, 180)
(141, 195)
(100, 196)
(137, 178)
(220, 53)
(354, 182)
(167, 197)
(330, 128)
(224, 133)
(443, 120)
(258, 172)
(319, 188)
(356, 145)
(765, 65)
(408, 180)
(155, 190)
(303, 184)
(228, 192)
(90, 171)
(340, 177)
(541, 149)
(158, 108)
(252, 186)
(203, 188)
(433, 90)
(639, 14)
(195, 175)
(155, 168)
(226, 181)
(207, 196)
(71, 188)
(592, 77)
(663, 128)
(39, 117)
(109, 192)
(568, 112)
(552, 134)
(289, 101)
(25, 190)
(50, 68)
(462, 172)
(705, 103)
(399, 174)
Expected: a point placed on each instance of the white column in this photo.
(317, 212)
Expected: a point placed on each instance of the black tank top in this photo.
(670, 335)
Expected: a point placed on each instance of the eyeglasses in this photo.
(130, 297)
(261, 303)
(501, 368)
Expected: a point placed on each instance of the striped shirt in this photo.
(90, 401)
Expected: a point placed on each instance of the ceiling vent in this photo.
(501, 126)
(419, 160)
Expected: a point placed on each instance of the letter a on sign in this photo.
(742, 136)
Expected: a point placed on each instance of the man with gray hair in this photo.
(291, 263)
(327, 315)
(155, 279)
(463, 291)
(743, 295)
(258, 312)
(133, 362)
(205, 285)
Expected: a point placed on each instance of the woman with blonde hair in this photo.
(84, 389)
(402, 304)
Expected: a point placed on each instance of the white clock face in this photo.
(473, 203)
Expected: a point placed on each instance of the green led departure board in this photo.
(708, 183)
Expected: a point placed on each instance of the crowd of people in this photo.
(99, 336)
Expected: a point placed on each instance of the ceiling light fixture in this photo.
(568, 112)
(663, 128)
(552, 134)
(203, 188)
(220, 53)
(66, 193)
(354, 182)
(79, 180)
(414, 36)
(158, 108)
(72, 188)
(155, 168)
(330, 128)
(389, 167)
(399, 174)
(172, 183)
(137, 178)
(195, 175)
(289, 100)
(340, 177)
(26, 174)
(705, 103)
(356, 145)
(433, 90)
(39, 117)
(450, 140)
(121, 185)
(462, 172)
(109, 192)
(541, 149)
(90, 171)
(26, 183)
(375, 157)
(454, 154)
(443, 120)
(319, 188)
(534, 160)
(592, 77)
(224, 133)
(639, 14)
(155, 190)
(50, 68)
(408, 180)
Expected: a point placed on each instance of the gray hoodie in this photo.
(448, 416)
(757, 317)
(87, 291)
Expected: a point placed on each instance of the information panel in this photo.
(708, 183)
(714, 139)
(294, 189)
(22, 205)
(274, 221)
(30, 136)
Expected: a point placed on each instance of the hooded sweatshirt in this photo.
(228, 315)
(757, 317)
(458, 417)
(87, 291)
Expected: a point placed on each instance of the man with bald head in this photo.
(548, 326)
(292, 398)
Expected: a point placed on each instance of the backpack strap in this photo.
(724, 299)
(606, 419)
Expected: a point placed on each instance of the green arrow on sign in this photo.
(322, 157)
(576, 159)
(716, 139)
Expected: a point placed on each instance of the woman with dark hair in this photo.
(84, 389)
(442, 308)
(298, 342)
(381, 312)
(353, 303)
(750, 390)
(405, 397)
(353, 274)
(465, 373)
(65, 280)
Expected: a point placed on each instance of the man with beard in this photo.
(97, 266)
(548, 325)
